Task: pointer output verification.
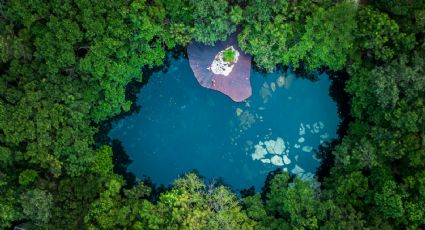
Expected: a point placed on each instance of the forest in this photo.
(70, 67)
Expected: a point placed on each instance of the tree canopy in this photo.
(65, 71)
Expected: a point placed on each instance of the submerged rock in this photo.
(259, 153)
(279, 146)
(238, 111)
(316, 128)
(321, 125)
(273, 86)
(275, 146)
(301, 140)
(286, 160)
(297, 146)
(307, 176)
(314, 156)
(280, 81)
(270, 146)
(324, 136)
(297, 170)
(277, 160)
(302, 130)
(307, 148)
(266, 161)
(246, 120)
(265, 92)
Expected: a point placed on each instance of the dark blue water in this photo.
(183, 126)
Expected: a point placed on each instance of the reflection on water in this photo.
(182, 126)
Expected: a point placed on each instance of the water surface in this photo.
(183, 126)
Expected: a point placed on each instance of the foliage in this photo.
(229, 55)
(27, 176)
(327, 40)
(266, 34)
(212, 20)
(378, 35)
(36, 205)
(302, 33)
(103, 161)
(65, 66)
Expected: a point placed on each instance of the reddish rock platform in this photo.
(237, 84)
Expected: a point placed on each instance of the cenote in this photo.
(182, 126)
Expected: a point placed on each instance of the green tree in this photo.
(27, 176)
(212, 21)
(378, 35)
(327, 41)
(189, 205)
(103, 161)
(36, 206)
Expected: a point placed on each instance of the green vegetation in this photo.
(229, 55)
(65, 66)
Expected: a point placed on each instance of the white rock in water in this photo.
(308, 126)
(285, 169)
(316, 158)
(302, 129)
(270, 146)
(310, 177)
(280, 81)
(265, 92)
(286, 160)
(296, 157)
(260, 143)
(279, 146)
(277, 160)
(238, 111)
(316, 128)
(307, 148)
(265, 161)
(287, 151)
(321, 125)
(301, 139)
(273, 86)
(219, 66)
(324, 136)
(307, 176)
(297, 146)
(297, 170)
(259, 153)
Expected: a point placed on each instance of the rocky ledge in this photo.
(220, 66)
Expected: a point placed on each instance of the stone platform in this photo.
(237, 84)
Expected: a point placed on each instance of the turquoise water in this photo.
(183, 126)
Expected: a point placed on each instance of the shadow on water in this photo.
(120, 158)
(343, 102)
(342, 99)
